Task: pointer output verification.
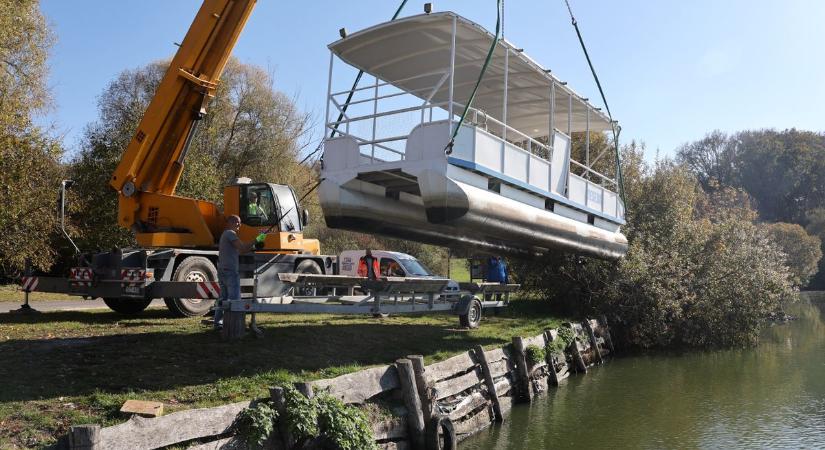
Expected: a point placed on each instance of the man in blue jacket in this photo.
(496, 270)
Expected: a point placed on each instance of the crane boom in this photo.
(153, 160)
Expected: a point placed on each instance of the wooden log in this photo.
(390, 429)
(578, 359)
(554, 377)
(279, 401)
(606, 333)
(448, 388)
(359, 386)
(427, 400)
(171, 429)
(400, 445)
(495, 355)
(415, 417)
(503, 387)
(506, 406)
(305, 389)
(488, 382)
(522, 379)
(593, 341)
(576, 348)
(448, 367)
(467, 405)
(234, 325)
(228, 443)
(538, 341)
(482, 420)
(85, 437)
(499, 368)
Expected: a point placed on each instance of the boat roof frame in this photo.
(370, 50)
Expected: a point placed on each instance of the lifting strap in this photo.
(616, 128)
(449, 148)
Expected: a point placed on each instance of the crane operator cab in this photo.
(272, 209)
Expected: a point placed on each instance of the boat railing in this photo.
(417, 109)
(369, 140)
(532, 145)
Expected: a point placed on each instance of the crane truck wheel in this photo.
(308, 266)
(127, 305)
(193, 268)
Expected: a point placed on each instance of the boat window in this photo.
(415, 268)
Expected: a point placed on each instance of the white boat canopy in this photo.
(415, 53)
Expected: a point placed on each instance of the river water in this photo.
(771, 396)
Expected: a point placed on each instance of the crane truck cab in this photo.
(272, 209)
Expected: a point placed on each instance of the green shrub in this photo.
(346, 426)
(534, 354)
(564, 337)
(301, 415)
(256, 423)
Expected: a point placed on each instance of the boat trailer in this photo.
(379, 297)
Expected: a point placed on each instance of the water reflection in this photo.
(772, 396)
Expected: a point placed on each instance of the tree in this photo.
(25, 41)
(815, 219)
(250, 130)
(693, 275)
(802, 250)
(712, 159)
(29, 158)
(94, 204)
(783, 171)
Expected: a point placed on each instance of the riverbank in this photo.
(769, 396)
(65, 368)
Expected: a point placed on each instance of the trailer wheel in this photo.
(127, 305)
(473, 316)
(311, 267)
(193, 268)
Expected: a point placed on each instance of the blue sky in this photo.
(672, 71)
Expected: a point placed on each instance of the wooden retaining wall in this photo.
(473, 390)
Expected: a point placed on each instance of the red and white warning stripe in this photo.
(28, 284)
(80, 276)
(208, 289)
(132, 277)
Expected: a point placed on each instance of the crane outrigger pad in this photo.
(506, 184)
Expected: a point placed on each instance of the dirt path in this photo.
(66, 305)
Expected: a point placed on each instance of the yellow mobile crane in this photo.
(178, 236)
(152, 164)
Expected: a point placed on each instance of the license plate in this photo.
(132, 289)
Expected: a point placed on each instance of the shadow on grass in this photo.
(48, 368)
(82, 316)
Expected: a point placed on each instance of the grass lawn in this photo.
(73, 367)
(459, 269)
(12, 293)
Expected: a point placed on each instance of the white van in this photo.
(390, 264)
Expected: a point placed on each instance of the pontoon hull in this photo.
(455, 214)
